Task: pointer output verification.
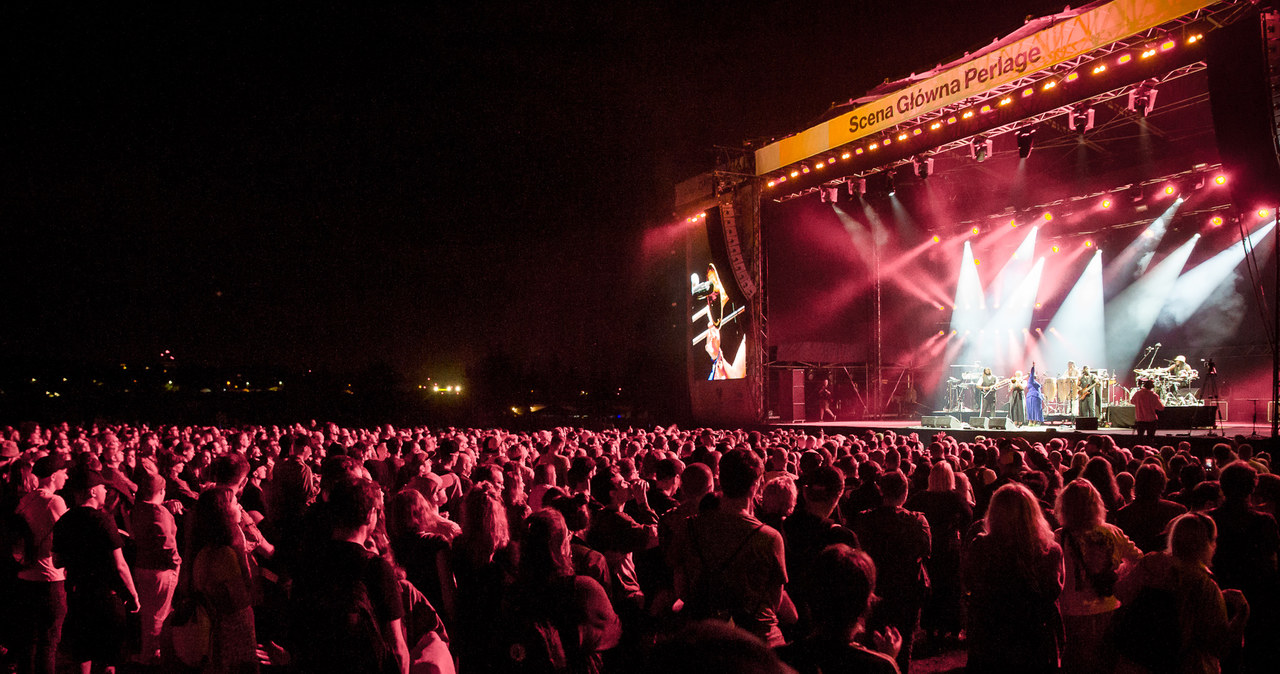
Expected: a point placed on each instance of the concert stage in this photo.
(1124, 437)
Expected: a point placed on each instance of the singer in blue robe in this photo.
(1035, 401)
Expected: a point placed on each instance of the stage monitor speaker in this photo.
(944, 421)
(1000, 423)
(1086, 423)
(978, 422)
(1241, 99)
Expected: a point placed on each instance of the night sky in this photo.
(324, 185)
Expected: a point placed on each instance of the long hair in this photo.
(1014, 520)
(1080, 506)
(407, 513)
(942, 477)
(215, 521)
(484, 524)
(1099, 472)
(544, 552)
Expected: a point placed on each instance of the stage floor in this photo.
(1258, 435)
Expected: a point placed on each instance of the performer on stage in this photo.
(987, 387)
(1179, 369)
(1017, 399)
(1035, 401)
(824, 401)
(1088, 393)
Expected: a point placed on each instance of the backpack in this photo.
(1147, 630)
(1094, 553)
(708, 598)
(342, 631)
(534, 644)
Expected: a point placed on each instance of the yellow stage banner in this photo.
(1061, 42)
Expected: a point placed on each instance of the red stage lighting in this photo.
(976, 262)
(1262, 212)
(1220, 180)
(1168, 190)
(1088, 243)
(936, 238)
(1106, 203)
(1055, 249)
(1013, 223)
(1216, 221)
(975, 231)
(1048, 217)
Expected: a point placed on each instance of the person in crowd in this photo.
(619, 536)
(155, 535)
(41, 596)
(1093, 552)
(347, 603)
(1246, 559)
(949, 516)
(1176, 618)
(811, 530)
(899, 541)
(99, 584)
(728, 564)
(777, 501)
(1014, 576)
(484, 564)
(424, 555)
(547, 592)
(1146, 519)
(839, 620)
(219, 562)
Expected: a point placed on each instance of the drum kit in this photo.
(1173, 389)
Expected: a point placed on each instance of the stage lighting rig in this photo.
(856, 186)
(923, 166)
(829, 193)
(1143, 99)
(888, 181)
(1026, 137)
(980, 148)
(1080, 119)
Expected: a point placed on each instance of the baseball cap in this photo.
(47, 465)
(83, 479)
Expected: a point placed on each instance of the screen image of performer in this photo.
(1018, 399)
(1146, 409)
(987, 387)
(1087, 394)
(1035, 401)
(824, 401)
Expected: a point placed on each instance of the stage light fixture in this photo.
(1125, 59)
(1142, 99)
(804, 168)
(1048, 217)
(772, 183)
(967, 114)
(1216, 221)
(1055, 249)
(1073, 77)
(1106, 203)
(1149, 53)
(935, 126)
(856, 186)
(986, 108)
(1167, 45)
(845, 155)
(1169, 190)
(1028, 91)
(902, 136)
(1262, 212)
(917, 131)
(1100, 68)
(889, 182)
(1194, 39)
(936, 238)
(820, 165)
(1026, 138)
(829, 194)
(1049, 85)
(980, 148)
(888, 141)
(1080, 119)
(795, 173)
(923, 166)
(1220, 180)
(974, 231)
(1088, 243)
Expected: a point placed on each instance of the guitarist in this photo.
(987, 388)
(1087, 393)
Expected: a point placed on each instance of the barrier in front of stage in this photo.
(1183, 417)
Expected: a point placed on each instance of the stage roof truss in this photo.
(1195, 23)
(995, 132)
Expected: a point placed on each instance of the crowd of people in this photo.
(315, 548)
